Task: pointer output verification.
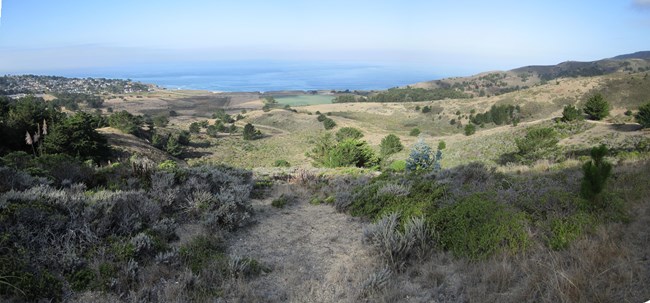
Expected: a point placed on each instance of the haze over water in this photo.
(267, 76)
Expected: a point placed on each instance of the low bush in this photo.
(563, 231)
(397, 247)
(478, 227)
(281, 163)
(538, 143)
(348, 133)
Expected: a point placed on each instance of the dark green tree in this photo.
(173, 147)
(160, 120)
(195, 128)
(126, 122)
(470, 129)
(597, 107)
(329, 123)
(389, 145)
(571, 113)
(643, 116)
(537, 142)
(76, 136)
(596, 171)
(250, 133)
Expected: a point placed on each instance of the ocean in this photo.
(253, 76)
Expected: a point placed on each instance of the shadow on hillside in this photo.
(626, 127)
(200, 144)
(194, 155)
(506, 158)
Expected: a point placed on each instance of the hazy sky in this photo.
(454, 37)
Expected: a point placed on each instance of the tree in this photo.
(597, 107)
(390, 145)
(421, 157)
(270, 100)
(329, 123)
(470, 129)
(195, 128)
(221, 115)
(348, 133)
(75, 136)
(160, 120)
(173, 147)
(571, 113)
(250, 133)
(351, 152)
(596, 171)
(643, 116)
(537, 142)
(126, 122)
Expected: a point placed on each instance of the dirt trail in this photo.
(315, 253)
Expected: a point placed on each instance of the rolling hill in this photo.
(500, 82)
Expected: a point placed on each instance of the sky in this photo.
(454, 37)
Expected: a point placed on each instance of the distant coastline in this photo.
(265, 76)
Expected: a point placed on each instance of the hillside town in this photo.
(33, 84)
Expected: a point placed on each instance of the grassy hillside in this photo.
(506, 212)
(500, 82)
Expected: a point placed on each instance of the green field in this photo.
(300, 100)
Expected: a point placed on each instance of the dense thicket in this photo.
(499, 115)
(61, 241)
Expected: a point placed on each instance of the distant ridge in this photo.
(500, 82)
(645, 55)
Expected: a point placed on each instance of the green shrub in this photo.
(351, 152)
(173, 147)
(421, 157)
(82, 279)
(280, 202)
(643, 116)
(398, 166)
(281, 163)
(563, 231)
(126, 122)
(250, 133)
(537, 143)
(571, 113)
(597, 107)
(160, 120)
(414, 132)
(477, 227)
(470, 129)
(195, 128)
(390, 145)
(200, 251)
(168, 165)
(442, 145)
(348, 133)
(329, 123)
(596, 172)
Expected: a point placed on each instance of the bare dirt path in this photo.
(315, 253)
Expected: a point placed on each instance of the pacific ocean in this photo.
(245, 76)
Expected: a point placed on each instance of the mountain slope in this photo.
(500, 82)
